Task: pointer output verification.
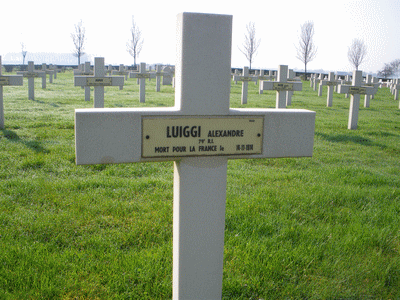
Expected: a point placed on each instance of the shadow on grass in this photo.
(42, 102)
(33, 145)
(341, 138)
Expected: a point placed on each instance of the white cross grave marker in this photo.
(244, 78)
(86, 71)
(121, 71)
(370, 82)
(4, 81)
(31, 74)
(99, 81)
(281, 86)
(317, 79)
(263, 77)
(331, 83)
(46, 71)
(200, 133)
(355, 90)
(395, 89)
(158, 77)
(289, 94)
(141, 76)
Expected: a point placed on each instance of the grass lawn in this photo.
(326, 227)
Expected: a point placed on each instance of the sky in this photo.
(46, 26)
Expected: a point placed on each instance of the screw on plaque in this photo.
(147, 137)
(258, 134)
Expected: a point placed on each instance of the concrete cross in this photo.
(394, 88)
(289, 94)
(4, 81)
(85, 71)
(99, 81)
(281, 86)
(141, 76)
(31, 74)
(263, 77)
(121, 71)
(200, 133)
(158, 77)
(317, 79)
(46, 71)
(244, 78)
(331, 83)
(371, 82)
(355, 90)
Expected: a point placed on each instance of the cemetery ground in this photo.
(325, 227)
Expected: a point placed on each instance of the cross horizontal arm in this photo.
(349, 89)
(115, 135)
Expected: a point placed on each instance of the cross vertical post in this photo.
(245, 84)
(158, 77)
(99, 90)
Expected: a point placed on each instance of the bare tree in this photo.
(251, 44)
(306, 51)
(395, 65)
(386, 72)
(79, 41)
(23, 52)
(357, 53)
(135, 44)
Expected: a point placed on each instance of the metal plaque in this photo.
(357, 90)
(277, 86)
(102, 81)
(201, 136)
(31, 74)
(4, 80)
(331, 83)
(142, 75)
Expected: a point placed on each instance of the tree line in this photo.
(306, 48)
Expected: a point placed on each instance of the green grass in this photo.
(325, 227)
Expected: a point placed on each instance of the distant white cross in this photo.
(31, 74)
(99, 81)
(331, 83)
(355, 90)
(281, 86)
(141, 76)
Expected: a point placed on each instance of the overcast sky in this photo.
(46, 26)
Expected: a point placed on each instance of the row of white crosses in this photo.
(141, 76)
(394, 88)
(6, 81)
(200, 134)
(284, 87)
